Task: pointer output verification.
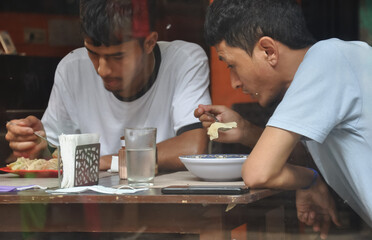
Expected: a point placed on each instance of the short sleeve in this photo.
(323, 94)
(192, 86)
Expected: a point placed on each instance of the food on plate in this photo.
(34, 164)
(213, 129)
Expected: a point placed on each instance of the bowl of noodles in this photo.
(215, 167)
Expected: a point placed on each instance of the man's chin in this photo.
(113, 90)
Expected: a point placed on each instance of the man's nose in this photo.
(103, 67)
(235, 81)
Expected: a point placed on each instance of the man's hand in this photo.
(223, 114)
(22, 139)
(316, 207)
(245, 133)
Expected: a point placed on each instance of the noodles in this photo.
(213, 129)
(33, 164)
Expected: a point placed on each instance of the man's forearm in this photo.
(251, 133)
(190, 142)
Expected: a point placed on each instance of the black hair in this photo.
(109, 22)
(241, 23)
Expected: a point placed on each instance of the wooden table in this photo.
(247, 216)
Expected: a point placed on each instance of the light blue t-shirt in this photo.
(329, 102)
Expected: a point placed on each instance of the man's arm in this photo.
(190, 142)
(267, 165)
(105, 162)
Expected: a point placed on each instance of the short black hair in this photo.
(241, 23)
(110, 22)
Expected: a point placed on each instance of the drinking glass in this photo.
(140, 149)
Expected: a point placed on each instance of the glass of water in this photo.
(140, 149)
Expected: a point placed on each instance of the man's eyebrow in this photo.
(115, 54)
(106, 55)
(89, 50)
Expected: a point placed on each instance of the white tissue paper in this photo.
(68, 143)
(99, 189)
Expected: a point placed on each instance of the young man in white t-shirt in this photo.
(324, 91)
(123, 77)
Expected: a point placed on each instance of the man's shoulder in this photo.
(332, 44)
(179, 46)
(179, 50)
(79, 54)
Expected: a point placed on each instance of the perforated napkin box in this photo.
(79, 157)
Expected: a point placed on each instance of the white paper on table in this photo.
(68, 143)
(20, 188)
(97, 188)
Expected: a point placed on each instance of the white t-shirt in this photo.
(329, 103)
(79, 103)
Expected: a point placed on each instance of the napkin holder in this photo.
(86, 171)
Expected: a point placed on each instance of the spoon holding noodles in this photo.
(217, 125)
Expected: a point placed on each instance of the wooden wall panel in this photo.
(16, 23)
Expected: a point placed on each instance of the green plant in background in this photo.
(365, 19)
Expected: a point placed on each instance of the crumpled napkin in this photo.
(99, 189)
(19, 188)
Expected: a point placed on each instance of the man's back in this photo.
(328, 103)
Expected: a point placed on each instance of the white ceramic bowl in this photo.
(215, 167)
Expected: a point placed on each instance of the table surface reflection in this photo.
(209, 216)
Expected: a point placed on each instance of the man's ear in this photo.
(150, 42)
(270, 48)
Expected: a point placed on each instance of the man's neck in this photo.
(290, 62)
(141, 79)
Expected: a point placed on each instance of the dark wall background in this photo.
(25, 85)
(65, 7)
(332, 18)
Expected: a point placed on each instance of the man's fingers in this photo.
(22, 146)
(303, 217)
(217, 109)
(18, 129)
(198, 112)
(311, 218)
(334, 217)
(204, 108)
(316, 226)
(325, 227)
(19, 154)
(206, 124)
(15, 139)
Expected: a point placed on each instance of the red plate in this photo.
(32, 173)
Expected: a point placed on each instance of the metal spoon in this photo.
(49, 143)
(216, 120)
(212, 115)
